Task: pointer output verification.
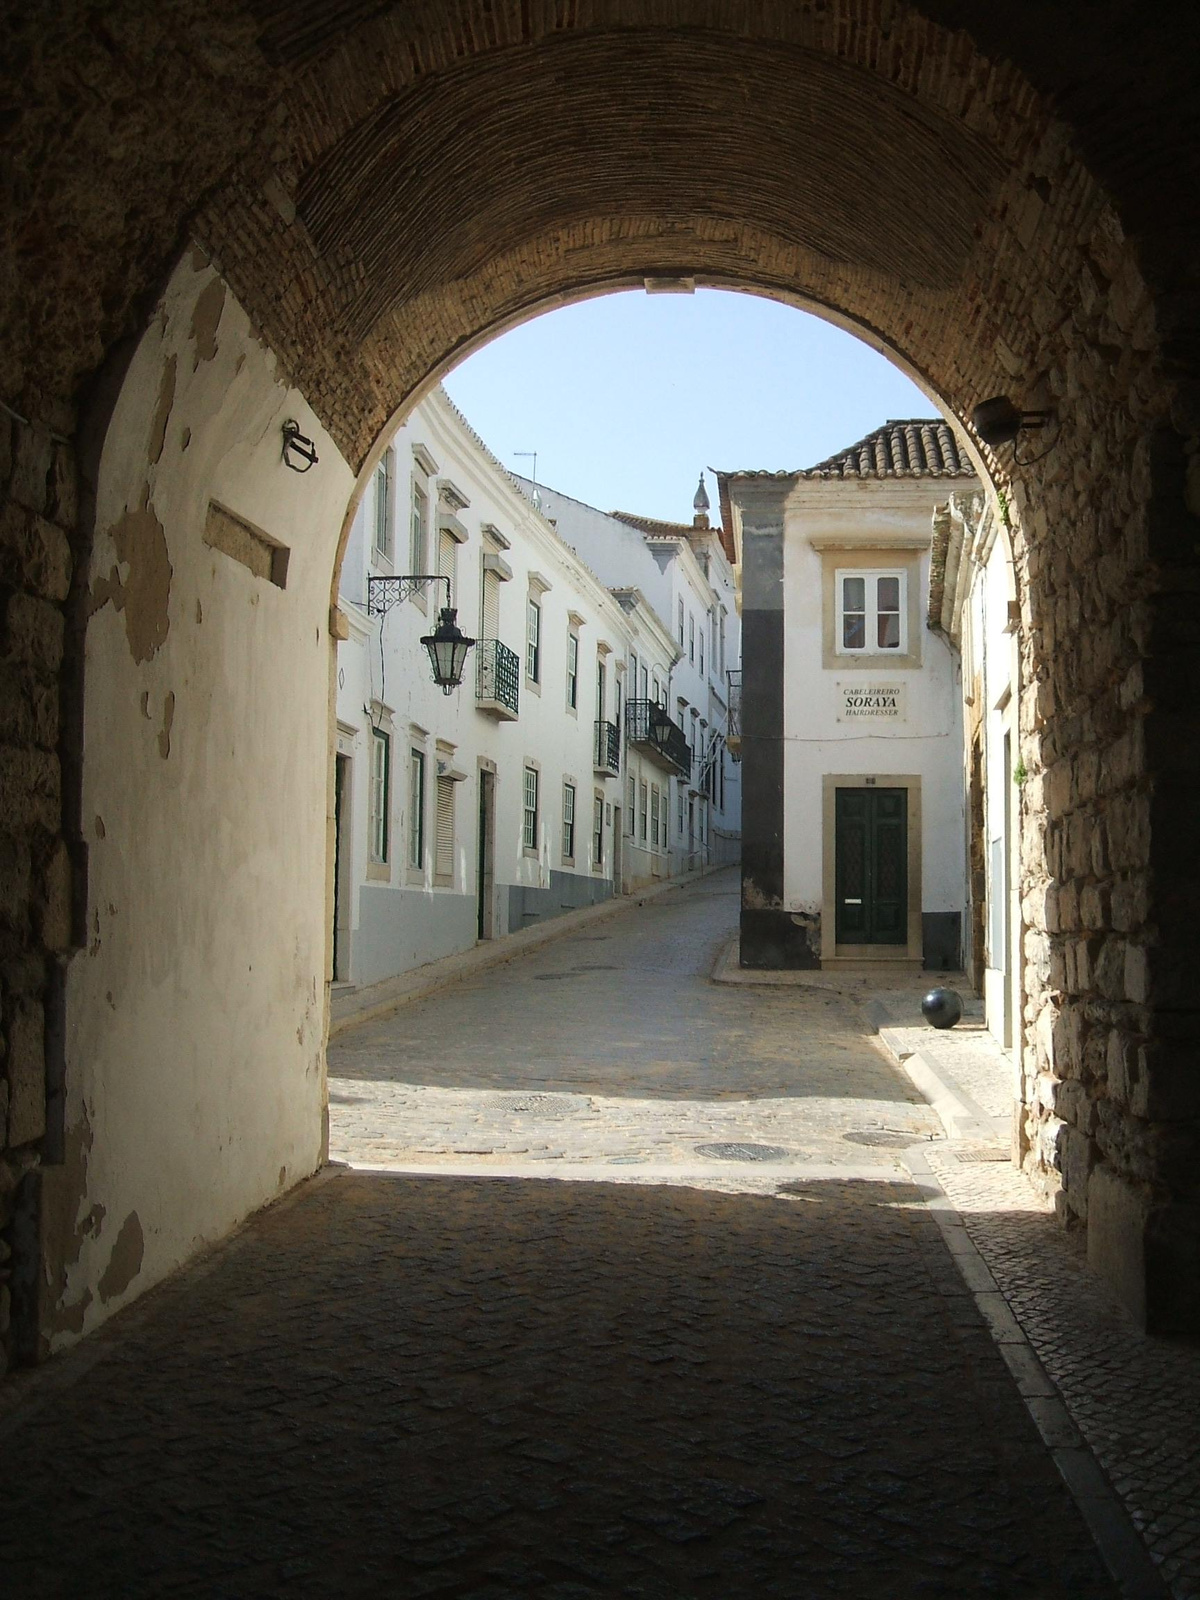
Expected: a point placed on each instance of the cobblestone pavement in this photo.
(485, 1389)
(1135, 1399)
(612, 1046)
(700, 1373)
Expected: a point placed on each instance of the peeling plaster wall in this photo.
(196, 1013)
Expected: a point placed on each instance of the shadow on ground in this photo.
(495, 1388)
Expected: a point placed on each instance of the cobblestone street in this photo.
(730, 1355)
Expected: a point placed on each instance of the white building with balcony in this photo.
(468, 815)
(684, 577)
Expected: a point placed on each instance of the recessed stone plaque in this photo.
(871, 702)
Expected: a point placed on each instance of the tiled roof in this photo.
(923, 447)
(654, 529)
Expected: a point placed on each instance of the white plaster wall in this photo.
(402, 919)
(928, 743)
(196, 1015)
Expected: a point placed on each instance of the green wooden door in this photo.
(872, 866)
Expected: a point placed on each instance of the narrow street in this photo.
(729, 1355)
(611, 1046)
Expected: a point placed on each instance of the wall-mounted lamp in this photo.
(299, 452)
(447, 645)
(997, 421)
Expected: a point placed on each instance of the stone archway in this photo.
(374, 191)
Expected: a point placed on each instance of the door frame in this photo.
(913, 948)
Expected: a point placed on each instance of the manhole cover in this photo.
(544, 1105)
(744, 1152)
(882, 1138)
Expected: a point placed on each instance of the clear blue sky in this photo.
(626, 398)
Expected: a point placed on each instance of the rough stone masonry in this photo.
(380, 189)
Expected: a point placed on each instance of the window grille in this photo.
(597, 833)
(654, 815)
(642, 812)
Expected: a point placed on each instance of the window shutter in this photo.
(447, 549)
(444, 847)
(491, 605)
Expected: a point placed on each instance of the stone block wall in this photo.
(987, 248)
(38, 493)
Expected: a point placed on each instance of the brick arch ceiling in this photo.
(382, 182)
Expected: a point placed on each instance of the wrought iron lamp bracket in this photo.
(384, 593)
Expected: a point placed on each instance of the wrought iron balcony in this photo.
(497, 680)
(653, 731)
(733, 730)
(608, 748)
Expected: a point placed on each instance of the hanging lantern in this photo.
(447, 646)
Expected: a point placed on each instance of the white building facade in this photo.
(679, 680)
(974, 601)
(468, 815)
(853, 806)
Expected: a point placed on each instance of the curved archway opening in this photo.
(414, 197)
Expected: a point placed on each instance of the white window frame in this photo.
(597, 831)
(692, 637)
(384, 535)
(870, 577)
(568, 824)
(379, 831)
(418, 529)
(643, 811)
(572, 670)
(533, 640)
(416, 809)
(531, 787)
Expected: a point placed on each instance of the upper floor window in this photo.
(418, 548)
(573, 670)
(380, 796)
(679, 620)
(691, 637)
(533, 642)
(529, 830)
(870, 613)
(568, 822)
(385, 474)
(416, 809)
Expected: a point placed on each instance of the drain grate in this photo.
(572, 972)
(882, 1139)
(544, 1105)
(970, 1157)
(744, 1152)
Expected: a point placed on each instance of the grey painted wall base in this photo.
(773, 940)
(941, 940)
(568, 891)
(400, 929)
